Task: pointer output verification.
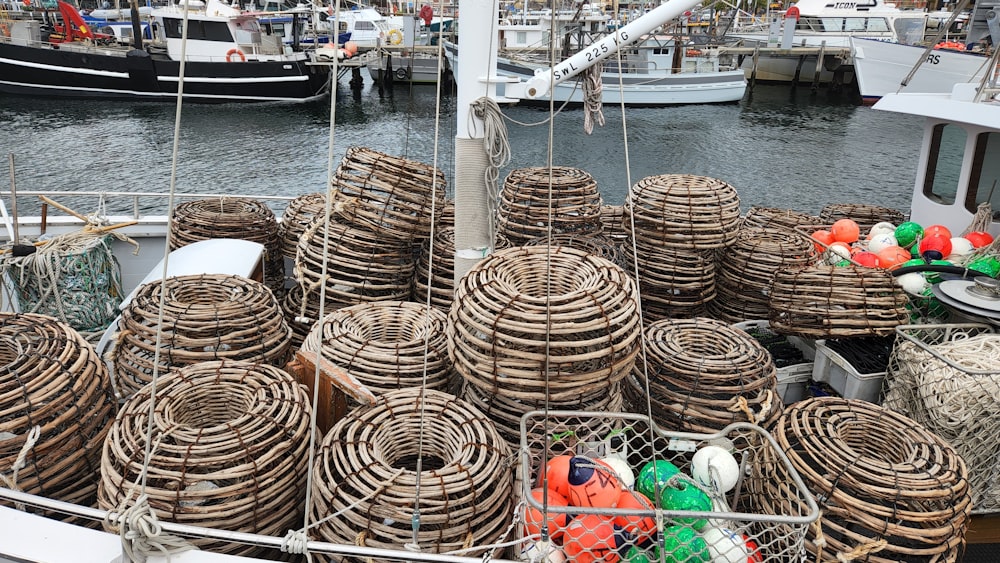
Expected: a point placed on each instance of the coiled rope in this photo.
(592, 103)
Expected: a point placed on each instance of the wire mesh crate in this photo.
(947, 378)
(602, 469)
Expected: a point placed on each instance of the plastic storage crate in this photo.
(770, 515)
(831, 368)
(942, 376)
(792, 379)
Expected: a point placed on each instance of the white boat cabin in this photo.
(959, 159)
(217, 32)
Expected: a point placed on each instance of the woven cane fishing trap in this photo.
(888, 489)
(675, 283)
(204, 317)
(439, 269)
(526, 204)
(389, 195)
(300, 212)
(681, 211)
(228, 449)
(600, 245)
(704, 374)
(836, 301)
(523, 309)
(746, 268)
(776, 217)
(238, 218)
(946, 377)
(414, 454)
(73, 277)
(613, 222)
(385, 346)
(866, 216)
(55, 404)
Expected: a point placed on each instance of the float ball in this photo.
(979, 239)
(622, 470)
(824, 239)
(937, 230)
(592, 483)
(908, 232)
(653, 477)
(592, 537)
(845, 230)
(683, 495)
(987, 265)
(715, 468)
(935, 247)
(681, 544)
(866, 259)
(641, 528)
(556, 520)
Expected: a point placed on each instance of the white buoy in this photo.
(881, 241)
(621, 467)
(725, 546)
(715, 468)
(913, 283)
(881, 228)
(542, 552)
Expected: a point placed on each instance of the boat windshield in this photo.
(944, 165)
(985, 173)
(841, 25)
(198, 30)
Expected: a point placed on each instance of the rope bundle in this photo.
(525, 202)
(389, 195)
(703, 375)
(776, 218)
(948, 380)
(834, 301)
(746, 268)
(73, 277)
(54, 381)
(386, 345)
(683, 212)
(300, 212)
(366, 482)
(888, 489)
(228, 449)
(525, 308)
(863, 214)
(205, 317)
(441, 269)
(675, 283)
(238, 218)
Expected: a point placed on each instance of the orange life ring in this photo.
(231, 52)
(693, 53)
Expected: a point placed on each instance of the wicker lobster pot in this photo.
(600, 245)
(299, 214)
(229, 449)
(525, 201)
(836, 301)
(703, 375)
(776, 218)
(863, 214)
(205, 317)
(367, 472)
(439, 269)
(525, 309)
(613, 221)
(54, 381)
(361, 265)
(746, 268)
(385, 346)
(389, 195)
(681, 211)
(675, 283)
(888, 489)
(238, 218)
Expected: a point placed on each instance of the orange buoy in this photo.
(556, 475)
(845, 230)
(556, 521)
(643, 528)
(592, 537)
(592, 483)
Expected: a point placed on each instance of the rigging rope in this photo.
(592, 103)
(19, 463)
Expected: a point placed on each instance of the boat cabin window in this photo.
(198, 29)
(944, 163)
(984, 178)
(363, 25)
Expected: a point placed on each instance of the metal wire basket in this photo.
(747, 518)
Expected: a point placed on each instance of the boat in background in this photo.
(881, 67)
(228, 58)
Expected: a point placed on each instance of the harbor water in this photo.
(779, 147)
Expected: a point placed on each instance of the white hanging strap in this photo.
(22, 456)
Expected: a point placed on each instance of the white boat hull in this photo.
(882, 66)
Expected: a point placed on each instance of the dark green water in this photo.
(777, 147)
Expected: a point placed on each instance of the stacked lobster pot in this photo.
(865, 215)
(237, 218)
(434, 278)
(777, 218)
(534, 326)
(675, 223)
(364, 252)
(534, 199)
(746, 268)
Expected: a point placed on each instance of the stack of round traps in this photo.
(532, 198)
(381, 208)
(778, 218)
(823, 301)
(56, 400)
(414, 450)
(540, 324)
(888, 489)
(385, 346)
(435, 271)
(228, 445)
(300, 212)
(701, 375)
(238, 218)
(203, 317)
(675, 222)
(746, 268)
